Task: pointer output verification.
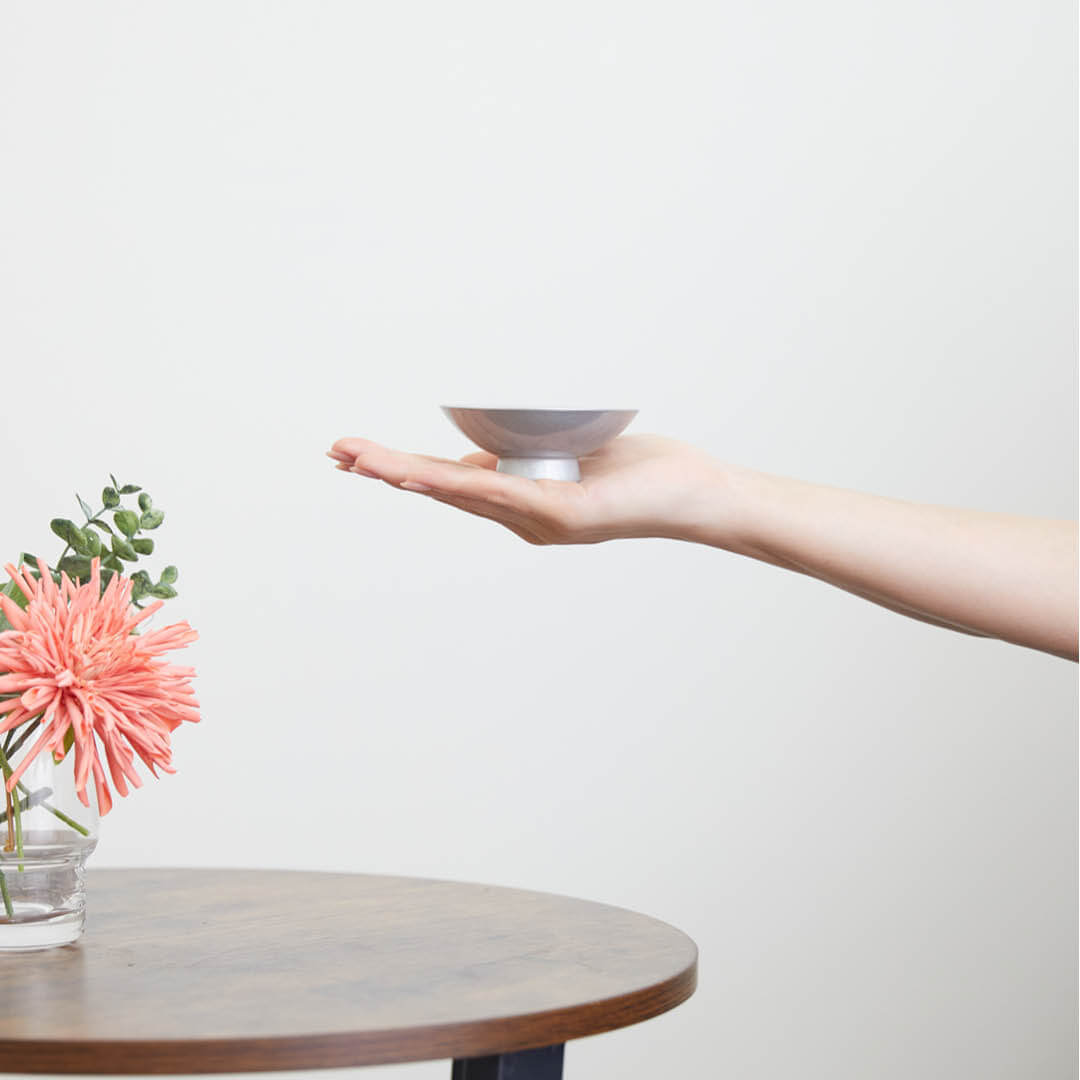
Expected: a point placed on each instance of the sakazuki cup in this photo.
(541, 444)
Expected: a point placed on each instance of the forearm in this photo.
(998, 575)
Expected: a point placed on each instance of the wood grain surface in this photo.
(197, 971)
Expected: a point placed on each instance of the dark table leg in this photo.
(543, 1064)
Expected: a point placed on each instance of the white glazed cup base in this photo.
(541, 468)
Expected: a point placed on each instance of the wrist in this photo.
(724, 508)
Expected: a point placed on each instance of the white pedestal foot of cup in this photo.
(541, 468)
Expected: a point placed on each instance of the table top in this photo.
(190, 971)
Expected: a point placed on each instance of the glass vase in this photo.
(46, 835)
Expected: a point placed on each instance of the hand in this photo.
(637, 485)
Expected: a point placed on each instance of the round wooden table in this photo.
(202, 971)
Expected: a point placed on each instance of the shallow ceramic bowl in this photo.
(542, 444)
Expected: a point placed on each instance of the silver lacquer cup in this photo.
(541, 444)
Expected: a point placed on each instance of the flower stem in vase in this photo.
(37, 798)
(14, 813)
(18, 830)
(10, 818)
(33, 798)
(7, 896)
(23, 736)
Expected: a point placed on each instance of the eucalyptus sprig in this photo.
(124, 541)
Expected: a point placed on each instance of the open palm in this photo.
(637, 485)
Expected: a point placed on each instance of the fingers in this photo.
(348, 450)
(473, 479)
(534, 510)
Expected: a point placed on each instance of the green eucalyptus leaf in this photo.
(169, 575)
(26, 557)
(143, 545)
(77, 567)
(84, 506)
(104, 526)
(127, 521)
(145, 502)
(141, 584)
(152, 519)
(163, 592)
(68, 531)
(106, 576)
(82, 543)
(115, 482)
(110, 498)
(122, 549)
(130, 489)
(93, 542)
(111, 562)
(69, 740)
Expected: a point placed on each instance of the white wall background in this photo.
(835, 240)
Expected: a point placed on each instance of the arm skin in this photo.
(992, 575)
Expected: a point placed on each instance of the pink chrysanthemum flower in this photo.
(73, 660)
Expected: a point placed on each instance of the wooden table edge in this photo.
(348, 1049)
